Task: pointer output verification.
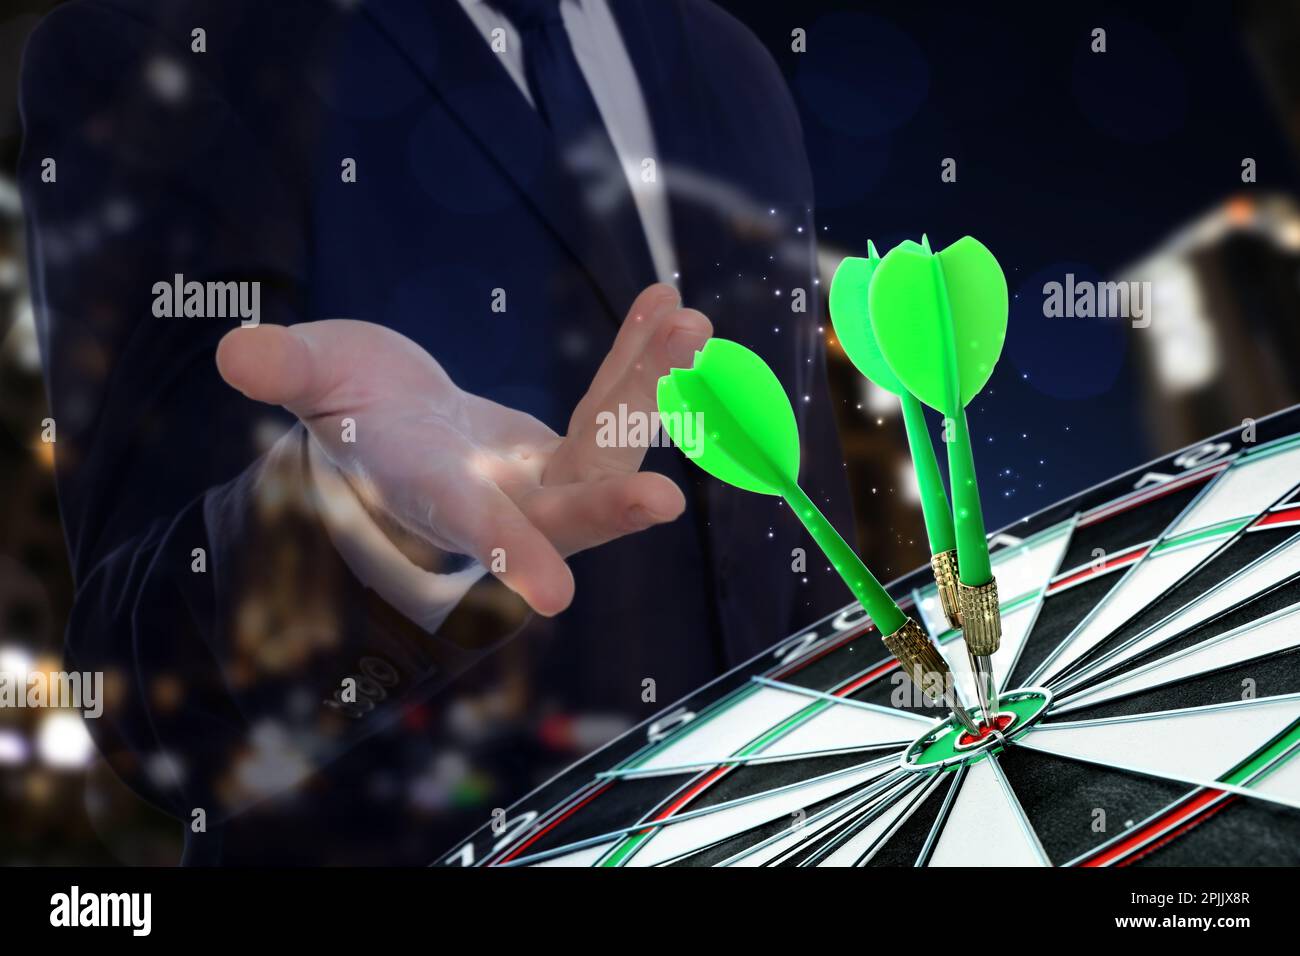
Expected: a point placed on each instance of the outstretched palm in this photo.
(466, 474)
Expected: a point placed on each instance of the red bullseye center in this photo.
(997, 725)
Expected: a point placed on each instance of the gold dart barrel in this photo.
(981, 619)
(921, 660)
(944, 565)
(923, 663)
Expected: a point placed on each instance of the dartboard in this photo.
(1149, 711)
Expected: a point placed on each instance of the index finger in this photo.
(613, 433)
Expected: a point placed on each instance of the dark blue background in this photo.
(1065, 160)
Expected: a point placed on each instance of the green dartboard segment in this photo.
(940, 321)
(750, 439)
(849, 315)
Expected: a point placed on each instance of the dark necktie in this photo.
(555, 80)
(564, 102)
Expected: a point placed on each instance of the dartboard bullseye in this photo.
(948, 744)
(1148, 683)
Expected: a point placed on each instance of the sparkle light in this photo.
(13, 748)
(15, 660)
(63, 741)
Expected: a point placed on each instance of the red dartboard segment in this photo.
(1120, 560)
(1184, 828)
(1157, 832)
(708, 780)
(874, 674)
(1284, 516)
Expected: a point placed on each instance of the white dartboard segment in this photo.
(1276, 632)
(843, 725)
(1249, 486)
(723, 735)
(1015, 627)
(1197, 745)
(886, 819)
(1145, 581)
(1272, 568)
(773, 849)
(986, 826)
(1254, 481)
(1282, 781)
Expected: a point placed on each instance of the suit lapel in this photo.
(439, 42)
(699, 193)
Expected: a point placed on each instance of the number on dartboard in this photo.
(795, 647)
(806, 642)
(511, 831)
(665, 725)
(1192, 458)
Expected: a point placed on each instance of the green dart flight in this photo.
(750, 439)
(848, 304)
(940, 320)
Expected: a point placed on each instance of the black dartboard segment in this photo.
(1247, 549)
(1161, 611)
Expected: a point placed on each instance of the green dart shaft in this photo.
(934, 500)
(972, 542)
(877, 603)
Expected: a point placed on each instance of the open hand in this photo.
(466, 474)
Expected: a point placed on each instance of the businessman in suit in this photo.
(472, 231)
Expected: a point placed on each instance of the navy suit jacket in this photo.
(226, 164)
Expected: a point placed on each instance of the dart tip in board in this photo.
(950, 743)
(999, 724)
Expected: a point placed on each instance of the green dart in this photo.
(848, 303)
(750, 439)
(940, 320)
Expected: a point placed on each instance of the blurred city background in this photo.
(1123, 165)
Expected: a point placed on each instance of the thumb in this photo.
(274, 364)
